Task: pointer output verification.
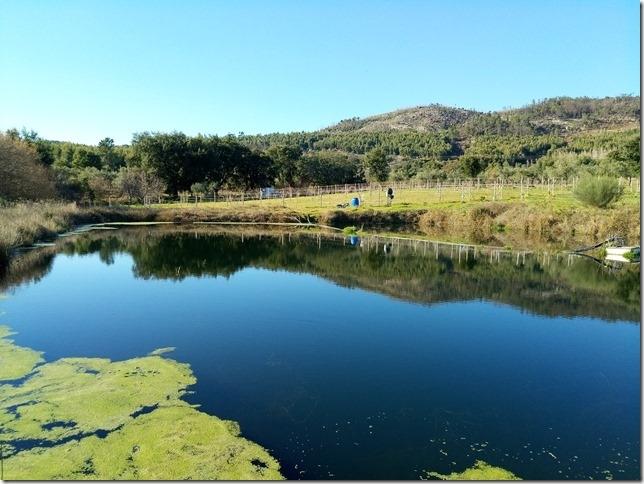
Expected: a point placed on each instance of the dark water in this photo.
(349, 362)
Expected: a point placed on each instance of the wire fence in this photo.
(463, 189)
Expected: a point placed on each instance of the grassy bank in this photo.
(541, 217)
(537, 217)
(480, 215)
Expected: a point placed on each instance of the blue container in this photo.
(355, 202)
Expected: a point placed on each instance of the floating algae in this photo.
(91, 394)
(91, 418)
(481, 471)
(175, 443)
(15, 361)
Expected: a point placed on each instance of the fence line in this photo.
(464, 186)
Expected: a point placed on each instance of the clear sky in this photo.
(83, 70)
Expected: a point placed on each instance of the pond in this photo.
(354, 358)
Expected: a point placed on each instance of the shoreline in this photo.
(503, 224)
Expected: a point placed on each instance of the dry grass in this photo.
(25, 223)
(28, 222)
(522, 224)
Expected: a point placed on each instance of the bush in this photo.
(598, 192)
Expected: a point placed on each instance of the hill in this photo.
(558, 137)
(549, 116)
(421, 118)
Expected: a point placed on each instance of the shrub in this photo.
(598, 192)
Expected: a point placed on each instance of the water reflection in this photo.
(411, 270)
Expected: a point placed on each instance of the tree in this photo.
(151, 186)
(13, 134)
(127, 181)
(110, 158)
(22, 176)
(249, 169)
(106, 144)
(472, 165)
(101, 185)
(329, 168)
(29, 136)
(285, 160)
(627, 157)
(180, 161)
(45, 152)
(199, 189)
(377, 165)
(138, 183)
(167, 155)
(85, 158)
(210, 162)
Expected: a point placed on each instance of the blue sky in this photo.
(83, 70)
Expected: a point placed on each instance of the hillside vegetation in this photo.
(559, 138)
(421, 118)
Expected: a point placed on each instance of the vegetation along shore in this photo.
(561, 170)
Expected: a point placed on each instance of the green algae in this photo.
(174, 443)
(15, 361)
(90, 394)
(92, 418)
(480, 471)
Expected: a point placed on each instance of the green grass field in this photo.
(412, 199)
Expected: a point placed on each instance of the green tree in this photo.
(85, 158)
(250, 169)
(166, 154)
(329, 168)
(627, 157)
(377, 165)
(285, 159)
(110, 157)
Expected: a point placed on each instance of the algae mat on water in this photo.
(91, 418)
(480, 471)
(15, 361)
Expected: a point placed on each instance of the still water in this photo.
(347, 360)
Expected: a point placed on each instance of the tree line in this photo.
(492, 145)
(155, 164)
